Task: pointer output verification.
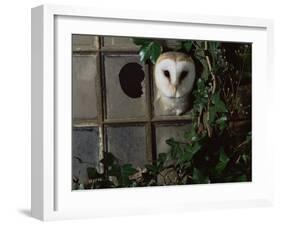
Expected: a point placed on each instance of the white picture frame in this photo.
(52, 197)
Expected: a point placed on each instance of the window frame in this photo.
(149, 121)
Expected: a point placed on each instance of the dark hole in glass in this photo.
(131, 76)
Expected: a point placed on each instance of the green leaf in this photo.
(155, 51)
(199, 178)
(186, 157)
(128, 170)
(212, 114)
(144, 53)
(175, 149)
(221, 122)
(189, 152)
(223, 157)
(220, 167)
(162, 157)
(191, 136)
(170, 141)
(218, 103)
(195, 148)
(152, 168)
(187, 46)
(223, 161)
(149, 50)
(221, 119)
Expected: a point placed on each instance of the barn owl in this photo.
(174, 76)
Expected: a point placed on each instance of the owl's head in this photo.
(174, 74)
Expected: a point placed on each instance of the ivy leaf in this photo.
(162, 157)
(149, 50)
(189, 152)
(127, 170)
(218, 103)
(192, 136)
(187, 45)
(155, 51)
(153, 169)
(212, 114)
(144, 52)
(199, 178)
(175, 147)
(221, 122)
(186, 157)
(170, 142)
(223, 160)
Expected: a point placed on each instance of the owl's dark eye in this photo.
(183, 75)
(167, 74)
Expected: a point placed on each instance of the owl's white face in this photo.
(174, 74)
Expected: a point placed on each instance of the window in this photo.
(113, 110)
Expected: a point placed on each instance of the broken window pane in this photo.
(85, 42)
(128, 144)
(84, 87)
(125, 87)
(119, 43)
(85, 151)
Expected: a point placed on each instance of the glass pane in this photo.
(85, 42)
(85, 151)
(84, 87)
(128, 144)
(125, 87)
(119, 43)
(165, 132)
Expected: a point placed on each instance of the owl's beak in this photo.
(174, 89)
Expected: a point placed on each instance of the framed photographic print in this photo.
(138, 113)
